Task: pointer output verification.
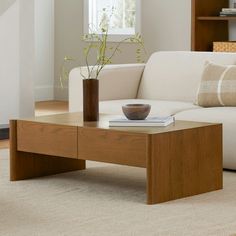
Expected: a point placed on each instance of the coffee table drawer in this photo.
(112, 147)
(48, 139)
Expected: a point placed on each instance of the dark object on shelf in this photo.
(136, 111)
(91, 100)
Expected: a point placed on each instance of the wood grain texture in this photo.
(206, 18)
(182, 159)
(90, 99)
(26, 165)
(44, 108)
(76, 119)
(112, 147)
(48, 139)
(184, 163)
(204, 33)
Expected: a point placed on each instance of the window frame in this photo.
(114, 37)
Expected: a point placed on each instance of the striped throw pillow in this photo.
(218, 86)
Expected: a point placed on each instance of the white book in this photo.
(149, 122)
(228, 9)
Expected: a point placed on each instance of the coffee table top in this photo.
(76, 119)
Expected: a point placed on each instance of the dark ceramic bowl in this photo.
(136, 111)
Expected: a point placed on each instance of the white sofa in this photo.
(169, 82)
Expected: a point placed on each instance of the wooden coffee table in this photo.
(181, 160)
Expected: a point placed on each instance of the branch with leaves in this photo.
(98, 44)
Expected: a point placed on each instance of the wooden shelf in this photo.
(207, 25)
(216, 18)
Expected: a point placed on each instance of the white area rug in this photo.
(108, 200)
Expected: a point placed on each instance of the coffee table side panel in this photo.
(26, 165)
(48, 139)
(112, 146)
(184, 163)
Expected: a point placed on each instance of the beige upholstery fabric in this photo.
(218, 86)
(175, 76)
(159, 108)
(115, 82)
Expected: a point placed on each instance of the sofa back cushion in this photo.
(218, 86)
(177, 75)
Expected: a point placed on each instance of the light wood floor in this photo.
(41, 109)
(50, 107)
(4, 144)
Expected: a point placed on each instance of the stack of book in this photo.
(149, 122)
(228, 12)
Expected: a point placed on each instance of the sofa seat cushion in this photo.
(159, 108)
(225, 115)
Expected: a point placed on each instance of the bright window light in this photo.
(123, 17)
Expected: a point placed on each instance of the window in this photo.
(123, 17)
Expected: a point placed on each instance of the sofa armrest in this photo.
(115, 82)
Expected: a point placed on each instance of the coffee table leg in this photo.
(184, 163)
(24, 165)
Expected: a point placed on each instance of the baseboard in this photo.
(4, 132)
(44, 93)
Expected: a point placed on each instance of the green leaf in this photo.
(86, 51)
(97, 42)
(66, 58)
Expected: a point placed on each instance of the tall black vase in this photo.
(91, 99)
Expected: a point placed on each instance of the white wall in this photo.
(9, 63)
(68, 30)
(166, 25)
(17, 60)
(26, 58)
(44, 50)
(5, 4)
